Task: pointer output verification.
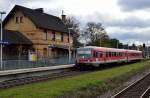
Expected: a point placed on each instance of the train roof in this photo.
(105, 48)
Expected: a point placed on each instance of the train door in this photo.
(95, 55)
(100, 55)
(104, 56)
(107, 56)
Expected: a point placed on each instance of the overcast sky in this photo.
(126, 20)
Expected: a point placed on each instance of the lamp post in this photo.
(101, 36)
(69, 45)
(128, 44)
(147, 50)
(101, 40)
(1, 50)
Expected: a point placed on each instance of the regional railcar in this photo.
(94, 56)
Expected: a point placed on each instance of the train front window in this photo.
(84, 53)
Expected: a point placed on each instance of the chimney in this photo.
(63, 17)
(39, 10)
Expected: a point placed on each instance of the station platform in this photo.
(20, 73)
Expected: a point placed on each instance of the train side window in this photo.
(112, 54)
(117, 54)
(95, 54)
(121, 53)
(106, 54)
(100, 54)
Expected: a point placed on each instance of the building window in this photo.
(21, 19)
(45, 34)
(17, 21)
(53, 36)
(62, 37)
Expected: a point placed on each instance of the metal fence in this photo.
(44, 62)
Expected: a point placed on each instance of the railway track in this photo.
(32, 79)
(139, 89)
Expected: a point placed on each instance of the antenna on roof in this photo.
(62, 12)
(63, 17)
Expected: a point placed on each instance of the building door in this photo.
(45, 52)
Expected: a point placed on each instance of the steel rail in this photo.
(122, 92)
(21, 81)
(146, 94)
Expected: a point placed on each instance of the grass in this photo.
(50, 89)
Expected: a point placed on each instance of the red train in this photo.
(94, 56)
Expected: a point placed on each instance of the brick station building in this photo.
(33, 30)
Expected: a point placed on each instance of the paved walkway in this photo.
(30, 70)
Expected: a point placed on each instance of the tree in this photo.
(121, 45)
(73, 23)
(134, 47)
(144, 46)
(140, 47)
(94, 32)
(111, 43)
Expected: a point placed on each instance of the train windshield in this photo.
(84, 53)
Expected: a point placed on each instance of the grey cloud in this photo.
(132, 5)
(130, 22)
(7, 5)
(56, 12)
(137, 36)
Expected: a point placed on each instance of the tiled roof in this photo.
(40, 19)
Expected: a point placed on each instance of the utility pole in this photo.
(128, 45)
(147, 50)
(117, 44)
(69, 45)
(100, 42)
(1, 49)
